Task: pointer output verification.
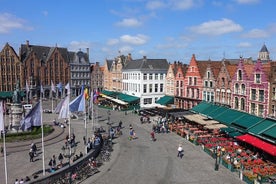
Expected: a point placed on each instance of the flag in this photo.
(78, 104)
(59, 86)
(1, 116)
(41, 89)
(95, 95)
(53, 88)
(86, 95)
(67, 87)
(27, 87)
(33, 118)
(64, 111)
(58, 107)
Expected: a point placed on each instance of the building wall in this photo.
(193, 87)
(11, 69)
(259, 84)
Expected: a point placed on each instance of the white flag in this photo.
(64, 111)
(27, 87)
(53, 88)
(1, 116)
(41, 89)
(68, 88)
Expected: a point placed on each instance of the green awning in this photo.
(108, 93)
(216, 112)
(127, 98)
(228, 116)
(227, 129)
(200, 107)
(261, 127)
(165, 100)
(270, 133)
(234, 134)
(211, 108)
(246, 121)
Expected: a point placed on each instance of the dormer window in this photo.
(239, 75)
(258, 78)
(222, 81)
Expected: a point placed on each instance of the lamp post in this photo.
(68, 152)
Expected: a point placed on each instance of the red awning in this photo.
(265, 146)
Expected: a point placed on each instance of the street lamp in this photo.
(68, 152)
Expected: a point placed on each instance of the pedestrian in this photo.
(34, 148)
(27, 179)
(54, 162)
(120, 124)
(31, 154)
(16, 181)
(84, 140)
(21, 181)
(60, 158)
(152, 136)
(180, 151)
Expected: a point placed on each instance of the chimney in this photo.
(87, 52)
(129, 57)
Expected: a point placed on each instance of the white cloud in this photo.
(134, 40)
(173, 4)
(76, 45)
(113, 41)
(126, 49)
(182, 4)
(9, 22)
(130, 22)
(152, 5)
(247, 1)
(216, 27)
(244, 45)
(256, 33)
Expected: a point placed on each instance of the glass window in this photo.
(156, 88)
(195, 81)
(236, 103)
(239, 75)
(161, 88)
(242, 104)
(253, 94)
(258, 78)
(145, 76)
(190, 80)
(261, 95)
(150, 76)
(145, 88)
(150, 88)
(253, 108)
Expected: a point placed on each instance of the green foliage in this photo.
(34, 133)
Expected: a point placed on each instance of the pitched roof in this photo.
(42, 52)
(248, 69)
(215, 67)
(264, 49)
(231, 69)
(147, 64)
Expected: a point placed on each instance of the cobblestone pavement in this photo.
(137, 161)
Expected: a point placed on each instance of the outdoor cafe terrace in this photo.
(243, 143)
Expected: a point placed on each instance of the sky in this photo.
(158, 29)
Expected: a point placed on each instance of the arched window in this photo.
(242, 104)
(236, 103)
(243, 89)
(236, 88)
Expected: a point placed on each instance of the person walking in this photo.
(180, 151)
(31, 154)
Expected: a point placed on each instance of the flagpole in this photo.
(85, 124)
(42, 138)
(92, 116)
(4, 141)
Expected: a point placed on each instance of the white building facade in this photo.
(145, 78)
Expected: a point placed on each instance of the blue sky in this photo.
(158, 29)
